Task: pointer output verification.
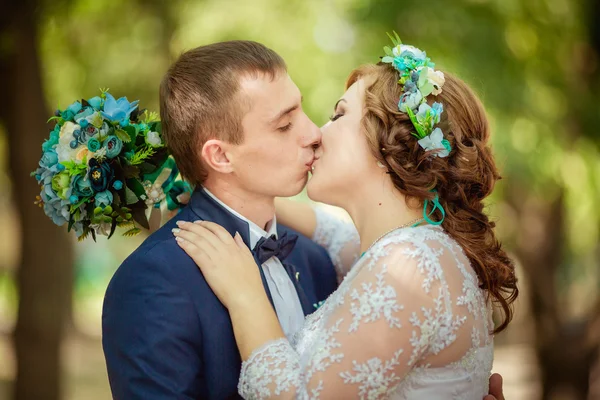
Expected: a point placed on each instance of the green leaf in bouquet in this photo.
(93, 232)
(98, 211)
(120, 219)
(138, 213)
(107, 219)
(130, 171)
(126, 224)
(56, 118)
(107, 210)
(132, 232)
(84, 235)
(147, 168)
(137, 188)
(71, 222)
(124, 136)
(113, 227)
(130, 196)
(141, 155)
(131, 131)
(78, 204)
(97, 120)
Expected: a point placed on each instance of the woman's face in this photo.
(344, 160)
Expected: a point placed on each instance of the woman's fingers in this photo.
(196, 240)
(201, 232)
(218, 230)
(200, 257)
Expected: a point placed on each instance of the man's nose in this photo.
(313, 136)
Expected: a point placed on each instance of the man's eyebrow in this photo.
(287, 111)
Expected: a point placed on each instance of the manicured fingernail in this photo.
(180, 223)
(175, 231)
(179, 239)
(198, 222)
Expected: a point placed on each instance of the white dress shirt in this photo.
(285, 298)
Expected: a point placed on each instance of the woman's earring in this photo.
(380, 164)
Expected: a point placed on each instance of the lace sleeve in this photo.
(395, 314)
(341, 240)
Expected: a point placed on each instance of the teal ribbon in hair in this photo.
(436, 206)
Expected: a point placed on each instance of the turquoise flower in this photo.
(93, 145)
(57, 212)
(82, 186)
(83, 114)
(49, 159)
(113, 146)
(118, 185)
(429, 116)
(103, 199)
(436, 142)
(117, 110)
(53, 140)
(95, 102)
(410, 100)
(75, 107)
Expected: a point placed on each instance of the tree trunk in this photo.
(44, 276)
(565, 353)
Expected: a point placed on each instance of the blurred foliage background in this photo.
(535, 65)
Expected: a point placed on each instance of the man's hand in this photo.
(495, 388)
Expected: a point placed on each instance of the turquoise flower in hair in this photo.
(428, 116)
(117, 110)
(410, 100)
(436, 142)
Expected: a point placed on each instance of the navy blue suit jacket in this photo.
(165, 333)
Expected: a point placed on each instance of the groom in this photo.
(233, 120)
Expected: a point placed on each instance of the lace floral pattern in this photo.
(388, 329)
(341, 240)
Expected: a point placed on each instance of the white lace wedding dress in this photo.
(408, 321)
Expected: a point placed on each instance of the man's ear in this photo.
(214, 154)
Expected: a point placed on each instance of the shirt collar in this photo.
(256, 232)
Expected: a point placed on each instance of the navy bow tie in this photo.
(270, 247)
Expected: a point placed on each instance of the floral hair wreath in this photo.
(419, 80)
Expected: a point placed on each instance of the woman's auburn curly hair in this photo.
(462, 180)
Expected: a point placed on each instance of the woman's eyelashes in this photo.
(336, 117)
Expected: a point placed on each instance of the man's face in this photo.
(277, 151)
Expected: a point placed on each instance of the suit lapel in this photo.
(207, 209)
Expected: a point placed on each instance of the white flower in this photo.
(414, 52)
(434, 142)
(436, 78)
(153, 139)
(63, 149)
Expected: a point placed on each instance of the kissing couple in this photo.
(241, 295)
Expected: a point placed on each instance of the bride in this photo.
(406, 155)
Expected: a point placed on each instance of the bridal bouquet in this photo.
(104, 165)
